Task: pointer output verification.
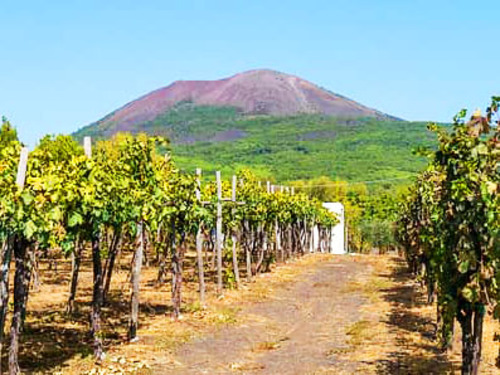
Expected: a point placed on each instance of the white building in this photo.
(338, 238)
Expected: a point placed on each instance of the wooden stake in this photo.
(233, 195)
(234, 239)
(219, 232)
(135, 281)
(198, 184)
(277, 235)
(199, 243)
(87, 147)
(21, 169)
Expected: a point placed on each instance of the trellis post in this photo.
(87, 147)
(21, 169)
(233, 238)
(219, 241)
(199, 243)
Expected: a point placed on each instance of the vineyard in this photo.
(119, 210)
(450, 230)
(120, 198)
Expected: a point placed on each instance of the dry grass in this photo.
(361, 332)
(397, 332)
(266, 346)
(245, 367)
(55, 343)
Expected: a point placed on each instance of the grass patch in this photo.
(266, 346)
(269, 345)
(245, 367)
(225, 315)
(361, 332)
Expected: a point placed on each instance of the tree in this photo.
(8, 133)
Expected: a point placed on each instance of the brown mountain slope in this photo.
(254, 92)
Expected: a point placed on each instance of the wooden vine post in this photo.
(87, 147)
(234, 238)
(199, 243)
(176, 272)
(135, 281)
(219, 239)
(21, 170)
(277, 234)
(219, 235)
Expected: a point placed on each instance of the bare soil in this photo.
(293, 332)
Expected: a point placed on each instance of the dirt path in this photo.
(297, 331)
(319, 314)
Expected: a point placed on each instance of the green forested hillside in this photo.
(288, 148)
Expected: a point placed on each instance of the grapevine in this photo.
(450, 229)
(125, 196)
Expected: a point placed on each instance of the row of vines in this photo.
(123, 195)
(449, 226)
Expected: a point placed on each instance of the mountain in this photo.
(256, 92)
(278, 125)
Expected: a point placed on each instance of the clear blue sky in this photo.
(65, 64)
